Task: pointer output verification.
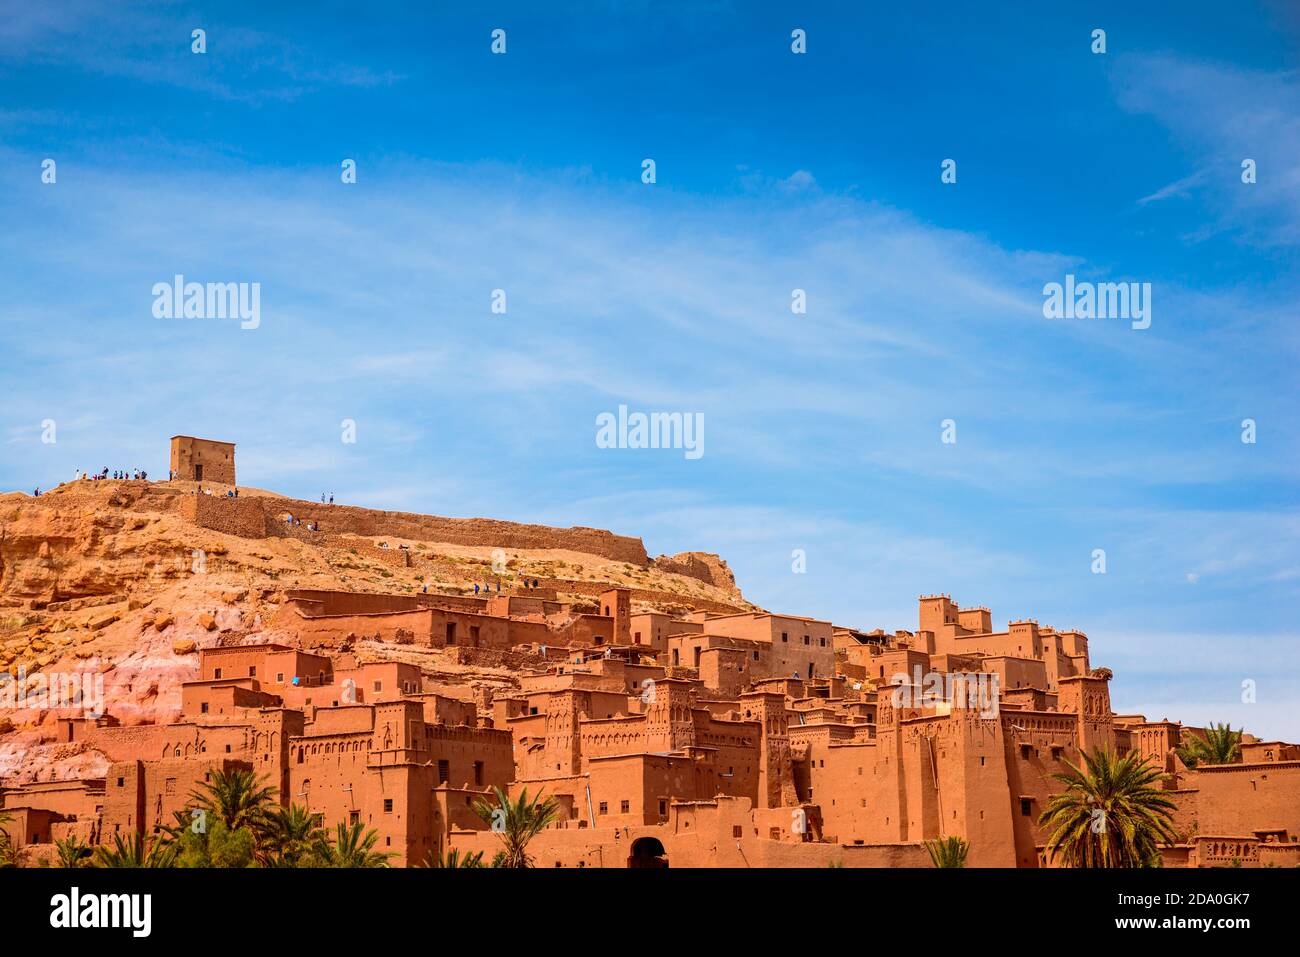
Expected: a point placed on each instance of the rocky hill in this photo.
(128, 578)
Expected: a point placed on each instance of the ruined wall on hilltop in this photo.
(245, 517)
(253, 517)
(397, 557)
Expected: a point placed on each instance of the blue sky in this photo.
(775, 171)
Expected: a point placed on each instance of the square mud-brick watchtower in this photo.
(203, 460)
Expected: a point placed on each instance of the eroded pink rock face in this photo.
(26, 758)
(145, 685)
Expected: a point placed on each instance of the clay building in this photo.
(741, 740)
(202, 460)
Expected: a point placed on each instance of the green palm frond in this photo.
(293, 837)
(517, 822)
(1111, 813)
(73, 852)
(137, 852)
(234, 798)
(354, 847)
(947, 851)
(455, 858)
(1220, 745)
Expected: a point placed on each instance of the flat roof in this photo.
(197, 439)
(269, 646)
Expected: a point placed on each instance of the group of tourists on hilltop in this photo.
(486, 588)
(299, 523)
(139, 475)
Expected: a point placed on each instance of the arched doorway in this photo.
(647, 852)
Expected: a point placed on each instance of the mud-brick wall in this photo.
(245, 517)
(334, 629)
(397, 557)
(345, 519)
(129, 743)
(574, 587)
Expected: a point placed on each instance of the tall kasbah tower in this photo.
(1088, 696)
(400, 780)
(396, 736)
(971, 786)
(775, 773)
(617, 604)
(937, 614)
(272, 730)
(889, 750)
(670, 726)
(564, 709)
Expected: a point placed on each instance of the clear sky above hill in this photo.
(774, 172)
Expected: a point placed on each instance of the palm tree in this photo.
(1221, 745)
(294, 838)
(11, 855)
(234, 798)
(947, 851)
(454, 858)
(73, 852)
(353, 848)
(516, 823)
(137, 852)
(1110, 813)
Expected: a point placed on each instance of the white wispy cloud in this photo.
(823, 428)
(1224, 114)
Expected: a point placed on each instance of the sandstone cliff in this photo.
(704, 566)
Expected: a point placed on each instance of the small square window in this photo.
(604, 808)
(1026, 807)
(388, 805)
